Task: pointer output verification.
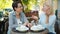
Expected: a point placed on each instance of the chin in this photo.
(20, 11)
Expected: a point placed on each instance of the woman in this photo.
(47, 19)
(17, 17)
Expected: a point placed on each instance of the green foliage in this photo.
(29, 4)
(5, 4)
(25, 2)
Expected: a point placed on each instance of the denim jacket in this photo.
(13, 20)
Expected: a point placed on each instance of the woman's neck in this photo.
(47, 19)
(17, 15)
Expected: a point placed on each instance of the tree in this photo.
(5, 4)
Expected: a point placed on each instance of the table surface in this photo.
(30, 32)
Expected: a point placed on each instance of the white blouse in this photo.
(19, 21)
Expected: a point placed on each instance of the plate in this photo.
(22, 28)
(37, 28)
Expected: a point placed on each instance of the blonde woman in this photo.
(47, 19)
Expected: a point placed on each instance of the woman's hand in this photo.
(34, 17)
(28, 24)
(25, 24)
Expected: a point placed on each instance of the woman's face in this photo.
(19, 8)
(46, 9)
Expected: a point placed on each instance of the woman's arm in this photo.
(24, 19)
(10, 24)
(26, 22)
(52, 20)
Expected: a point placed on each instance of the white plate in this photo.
(37, 28)
(40, 26)
(22, 28)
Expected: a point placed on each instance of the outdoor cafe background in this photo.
(29, 5)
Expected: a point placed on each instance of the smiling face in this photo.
(19, 8)
(47, 9)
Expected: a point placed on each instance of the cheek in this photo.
(44, 8)
(19, 9)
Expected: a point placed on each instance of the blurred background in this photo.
(29, 7)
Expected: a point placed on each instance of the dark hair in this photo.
(15, 4)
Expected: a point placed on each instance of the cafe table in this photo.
(31, 32)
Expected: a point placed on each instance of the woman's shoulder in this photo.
(12, 13)
(22, 14)
(53, 16)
